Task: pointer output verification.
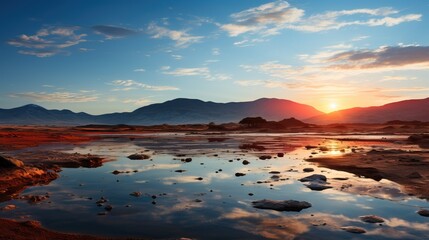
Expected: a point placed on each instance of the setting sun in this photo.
(333, 106)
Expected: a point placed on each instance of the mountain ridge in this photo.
(191, 111)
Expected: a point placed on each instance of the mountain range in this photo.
(190, 111)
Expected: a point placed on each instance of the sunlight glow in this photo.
(333, 106)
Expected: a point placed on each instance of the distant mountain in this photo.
(34, 114)
(177, 111)
(408, 110)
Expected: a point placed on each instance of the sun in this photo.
(333, 106)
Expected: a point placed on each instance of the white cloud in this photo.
(127, 85)
(177, 57)
(138, 102)
(215, 51)
(203, 72)
(271, 18)
(48, 41)
(165, 68)
(181, 38)
(139, 70)
(62, 97)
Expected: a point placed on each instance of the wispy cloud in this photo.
(203, 72)
(271, 18)
(62, 97)
(138, 102)
(127, 85)
(111, 32)
(215, 51)
(139, 70)
(48, 41)
(181, 38)
(177, 57)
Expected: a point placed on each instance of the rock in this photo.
(116, 172)
(136, 194)
(414, 175)
(352, 229)
(199, 178)
(317, 186)
(314, 178)
(32, 223)
(371, 219)
(280, 154)
(180, 171)
(8, 162)
(423, 212)
(274, 172)
(245, 162)
(8, 207)
(108, 208)
(240, 174)
(265, 157)
(286, 205)
(308, 169)
(138, 156)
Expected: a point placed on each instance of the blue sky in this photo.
(116, 56)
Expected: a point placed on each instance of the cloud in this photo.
(139, 70)
(111, 32)
(177, 57)
(62, 97)
(48, 41)
(271, 18)
(138, 102)
(266, 19)
(203, 72)
(127, 85)
(215, 51)
(382, 59)
(189, 72)
(181, 38)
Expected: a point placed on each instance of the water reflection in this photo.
(208, 201)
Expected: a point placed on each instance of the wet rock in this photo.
(187, 160)
(316, 186)
(8, 162)
(414, 175)
(116, 172)
(314, 178)
(245, 162)
(138, 156)
(371, 219)
(91, 161)
(341, 178)
(280, 154)
(136, 194)
(274, 172)
(287, 205)
(8, 207)
(198, 200)
(423, 212)
(180, 171)
(308, 169)
(308, 147)
(199, 178)
(265, 157)
(250, 194)
(240, 174)
(353, 229)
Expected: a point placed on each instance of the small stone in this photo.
(287, 205)
(371, 219)
(240, 174)
(136, 194)
(352, 229)
(308, 169)
(423, 212)
(199, 178)
(245, 162)
(280, 154)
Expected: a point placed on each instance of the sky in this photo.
(116, 56)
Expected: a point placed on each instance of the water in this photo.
(218, 206)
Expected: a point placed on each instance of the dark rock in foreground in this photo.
(314, 178)
(423, 212)
(286, 205)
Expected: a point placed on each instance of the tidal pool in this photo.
(206, 200)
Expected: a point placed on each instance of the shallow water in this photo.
(218, 206)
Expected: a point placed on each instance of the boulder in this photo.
(317, 186)
(353, 229)
(423, 212)
(314, 178)
(138, 156)
(286, 205)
